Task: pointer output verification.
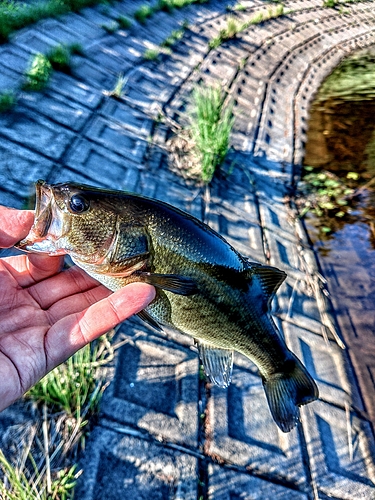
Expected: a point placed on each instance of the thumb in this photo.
(14, 225)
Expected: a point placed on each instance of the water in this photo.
(341, 139)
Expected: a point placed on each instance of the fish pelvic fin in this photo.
(147, 318)
(217, 363)
(287, 391)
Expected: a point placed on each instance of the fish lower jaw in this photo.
(43, 246)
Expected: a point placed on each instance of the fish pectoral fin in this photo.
(217, 363)
(270, 278)
(170, 282)
(147, 318)
(288, 390)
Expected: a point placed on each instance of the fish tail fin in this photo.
(288, 390)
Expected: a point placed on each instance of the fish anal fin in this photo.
(288, 390)
(217, 363)
(175, 283)
(270, 278)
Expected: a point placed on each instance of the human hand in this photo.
(46, 313)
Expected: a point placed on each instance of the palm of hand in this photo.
(36, 313)
(46, 314)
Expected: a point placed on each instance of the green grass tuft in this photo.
(270, 13)
(65, 400)
(173, 38)
(151, 54)
(232, 29)
(72, 386)
(38, 74)
(59, 57)
(211, 125)
(118, 88)
(165, 5)
(8, 100)
(124, 22)
(20, 484)
(16, 15)
(143, 13)
(257, 18)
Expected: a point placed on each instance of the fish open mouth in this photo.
(40, 239)
(43, 211)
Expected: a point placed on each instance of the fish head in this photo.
(71, 219)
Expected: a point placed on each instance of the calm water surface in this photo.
(341, 139)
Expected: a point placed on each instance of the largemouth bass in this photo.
(205, 288)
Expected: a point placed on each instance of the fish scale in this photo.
(204, 287)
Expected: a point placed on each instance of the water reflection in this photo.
(341, 139)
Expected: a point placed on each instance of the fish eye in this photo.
(78, 204)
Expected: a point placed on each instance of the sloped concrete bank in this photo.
(163, 432)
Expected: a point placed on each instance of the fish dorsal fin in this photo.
(270, 278)
(217, 363)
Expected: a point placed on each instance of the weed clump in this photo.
(200, 148)
(59, 56)
(211, 125)
(40, 71)
(173, 38)
(15, 15)
(38, 75)
(239, 7)
(72, 386)
(118, 87)
(166, 5)
(166, 45)
(124, 22)
(111, 27)
(327, 196)
(233, 27)
(20, 484)
(143, 13)
(270, 13)
(63, 401)
(151, 54)
(8, 100)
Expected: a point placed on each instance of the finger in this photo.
(76, 330)
(69, 282)
(41, 267)
(30, 269)
(14, 225)
(76, 303)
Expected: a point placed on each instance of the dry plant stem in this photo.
(46, 453)
(361, 189)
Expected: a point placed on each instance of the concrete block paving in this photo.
(163, 431)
